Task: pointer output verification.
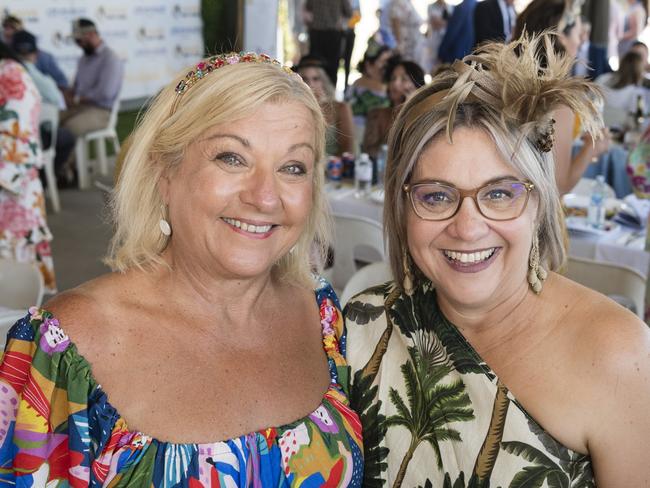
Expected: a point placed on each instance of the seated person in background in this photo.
(218, 352)
(24, 44)
(469, 369)
(622, 90)
(403, 78)
(369, 91)
(96, 87)
(338, 115)
(45, 61)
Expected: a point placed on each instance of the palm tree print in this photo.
(432, 405)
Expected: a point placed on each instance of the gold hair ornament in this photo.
(207, 66)
(511, 82)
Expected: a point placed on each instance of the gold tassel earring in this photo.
(536, 273)
(407, 284)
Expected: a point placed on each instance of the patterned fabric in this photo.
(433, 413)
(58, 426)
(411, 41)
(24, 235)
(363, 100)
(638, 167)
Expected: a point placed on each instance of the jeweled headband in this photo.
(207, 66)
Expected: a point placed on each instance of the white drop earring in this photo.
(165, 228)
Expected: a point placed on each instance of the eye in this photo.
(230, 160)
(498, 194)
(295, 169)
(435, 197)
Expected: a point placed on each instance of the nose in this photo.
(261, 190)
(469, 224)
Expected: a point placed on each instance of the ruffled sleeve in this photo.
(44, 391)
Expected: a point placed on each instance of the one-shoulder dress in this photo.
(434, 414)
(58, 428)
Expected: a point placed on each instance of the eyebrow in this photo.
(496, 179)
(246, 143)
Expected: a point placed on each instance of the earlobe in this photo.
(163, 188)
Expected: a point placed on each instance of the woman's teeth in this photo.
(470, 257)
(255, 229)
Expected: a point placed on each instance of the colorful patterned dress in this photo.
(433, 412)
(58, 426)
(24, 235)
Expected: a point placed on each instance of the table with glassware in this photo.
(616, 243)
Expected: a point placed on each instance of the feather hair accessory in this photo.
(522, 83)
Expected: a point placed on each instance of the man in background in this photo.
(96, 87)
(325, 18)
(494, 20)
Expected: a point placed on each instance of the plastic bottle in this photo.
(596, 210)
(381, 164)
(362, 175)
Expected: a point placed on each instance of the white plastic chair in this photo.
(99, 136)
(584, 185)
(352, 235)
(370, 275)
(21, 285)
(50, 115)
(624, 285)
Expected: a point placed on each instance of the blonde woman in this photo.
(479, 365)
(211, 355)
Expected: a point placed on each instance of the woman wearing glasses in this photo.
(479, 365)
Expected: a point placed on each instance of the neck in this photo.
(196, 289)
(493, 326)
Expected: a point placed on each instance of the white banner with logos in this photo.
(261, 29)
(156, 38)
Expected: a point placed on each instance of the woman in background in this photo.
(564, 18)
(622, 89)
(338, 115)
(369, 90)
(403, 78)
(24, 234)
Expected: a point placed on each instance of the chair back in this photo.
(370, 275)
(115, 110)
(622, 284)
(21, 285)
(584, 186)
(50, 117)
(355, 239)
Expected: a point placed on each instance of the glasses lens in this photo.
(433, 201)
(503, 200)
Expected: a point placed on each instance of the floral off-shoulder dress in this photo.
(58, 428)
(24, 235)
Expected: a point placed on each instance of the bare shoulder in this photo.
(611, 348)
(84, 311)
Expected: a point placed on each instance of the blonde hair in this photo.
(509, 92)
(159, 143)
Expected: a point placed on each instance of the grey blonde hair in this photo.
(508, 92)
(158, 146)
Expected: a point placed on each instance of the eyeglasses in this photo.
(502, 200)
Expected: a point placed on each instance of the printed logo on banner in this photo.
(105, 12)
(186, 10)
(62, 39)
(150, 33)
(188, 30)
(67, 12)
(189, 51)
(150, 9)
(150, 52)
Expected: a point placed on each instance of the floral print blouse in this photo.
(24, 235)
(59, 428)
